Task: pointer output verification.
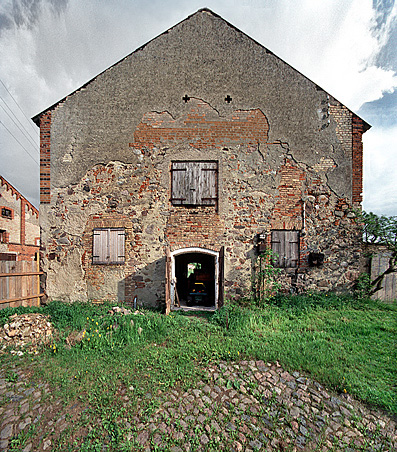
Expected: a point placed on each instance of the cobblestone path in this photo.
(244, 406)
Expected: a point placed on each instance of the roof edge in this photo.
(4, 181)
(36, 118)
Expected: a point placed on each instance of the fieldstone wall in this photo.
(261, 187)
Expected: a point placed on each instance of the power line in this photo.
(12, 97)
(16, 139)
(23, 133)
(13, 114)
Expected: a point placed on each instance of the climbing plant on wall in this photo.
(265, 282)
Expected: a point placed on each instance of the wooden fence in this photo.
(19, 284)
(379, 263)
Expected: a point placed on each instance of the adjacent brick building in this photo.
(168, 171)
(19, 225)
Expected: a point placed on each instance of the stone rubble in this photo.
(123, 311)
(26, 330)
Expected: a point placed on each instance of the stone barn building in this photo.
(163, 176)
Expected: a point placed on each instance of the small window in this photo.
(108, 246)
(6, 213)
(285, 246)
(3, 236)
(8, 257)
(194, 183)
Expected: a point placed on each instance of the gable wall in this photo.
(283, 146)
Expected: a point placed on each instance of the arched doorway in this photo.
(194, 279)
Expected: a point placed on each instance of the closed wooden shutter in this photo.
(179, 183)
(108, 246)
(99, 251)
(292, 249)
(194, 183)
(285, 246)
(116, 246)
(208, 179)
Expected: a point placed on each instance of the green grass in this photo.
(344, 343)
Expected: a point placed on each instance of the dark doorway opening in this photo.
(195, 279)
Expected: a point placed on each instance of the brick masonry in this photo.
(45, 155)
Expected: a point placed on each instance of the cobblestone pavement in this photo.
(244, 406)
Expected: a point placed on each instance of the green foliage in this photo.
(363, 286)
(344, 342)
(265, 284)
(381, 230)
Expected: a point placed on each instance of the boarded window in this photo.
(194, 183)
(8, 257)
(108, 246)
(285, 246)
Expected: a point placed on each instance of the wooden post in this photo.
(167, 281)
(38, 278)
(221, 271)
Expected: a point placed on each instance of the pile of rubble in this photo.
(123, 311)
(26, 330)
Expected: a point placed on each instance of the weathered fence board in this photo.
(19, 284)
(379, 263)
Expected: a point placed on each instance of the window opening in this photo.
(3, 236)
(194, 183)
(6, 213)
(8, 257)
(285, 246)
(108, 246)
(192, 268)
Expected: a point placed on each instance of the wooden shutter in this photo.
(292, 249)
(193, 186)
(108, 246)
(179, 183)
(99, 251)
(208, 178)
(277, 248)
(194, 183)
(116, 242)
(285, 245)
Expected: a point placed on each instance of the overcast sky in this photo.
(49, 48)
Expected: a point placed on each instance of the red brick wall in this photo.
(195, 227)
(45, 148)
(24, 252)
(201, 128)
(357, 161)
(287, 213)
